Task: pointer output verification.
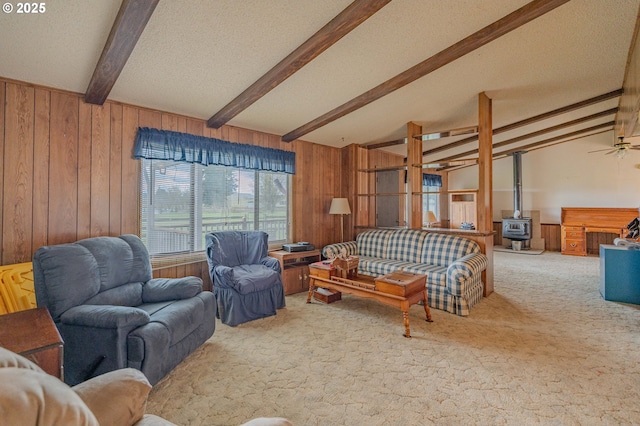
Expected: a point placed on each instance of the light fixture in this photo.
(431, 219)
(340, 206)
(621, 153)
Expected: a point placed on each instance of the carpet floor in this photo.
(544, 349)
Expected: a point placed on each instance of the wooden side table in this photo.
(295, 268)
(33, 334)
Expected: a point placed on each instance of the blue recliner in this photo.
(112, 314)
(246, 282)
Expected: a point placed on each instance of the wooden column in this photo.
(414, 176)
(485, 183)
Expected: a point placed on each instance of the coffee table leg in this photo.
(311, 288)
(425, 302)
(405, 316)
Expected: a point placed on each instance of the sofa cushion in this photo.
(442, 249)
(118, 397)
(246, 279)
(373, 243)
(31, 397)
(180, 317)
(436, 275)
(379, 266)
(125, 295)
(405, 244)
(54, 265)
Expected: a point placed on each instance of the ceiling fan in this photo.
(620, 148)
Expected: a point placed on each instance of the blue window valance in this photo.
(429, 179)
(155, 144)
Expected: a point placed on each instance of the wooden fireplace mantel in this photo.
(577, 221)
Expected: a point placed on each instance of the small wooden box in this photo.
(347, 268)
(327, 296)
(322, 269)
(401, 283)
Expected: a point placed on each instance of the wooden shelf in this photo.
(383, 169)
(382, 194)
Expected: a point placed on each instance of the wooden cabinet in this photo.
(463, 208)
(295, 269)
(33, 334)
(573, 240)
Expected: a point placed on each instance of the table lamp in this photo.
(340, 206)
(431, 218)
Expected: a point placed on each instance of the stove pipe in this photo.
(517, 182)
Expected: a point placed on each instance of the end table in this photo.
(33, 334)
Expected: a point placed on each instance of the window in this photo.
(430, 201)
(182, 202)
(431, 184)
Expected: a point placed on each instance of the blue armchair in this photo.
(112, 314)
(246, 282)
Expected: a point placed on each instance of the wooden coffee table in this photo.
(399, 289)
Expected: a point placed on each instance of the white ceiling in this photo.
(195, 56)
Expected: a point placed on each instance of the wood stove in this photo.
(517, 228)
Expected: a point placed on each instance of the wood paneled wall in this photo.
(68, 171)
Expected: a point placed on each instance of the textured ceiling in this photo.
(196, 56)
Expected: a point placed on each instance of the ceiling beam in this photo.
(131, 20)
(534, 146)
(355, 14)
(531, 120)
(476, 40)
(530, 135)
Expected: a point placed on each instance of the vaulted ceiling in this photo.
(337, 72)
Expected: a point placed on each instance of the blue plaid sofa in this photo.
(453, 264)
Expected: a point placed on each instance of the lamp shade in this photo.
(339, 206)
(431, 217)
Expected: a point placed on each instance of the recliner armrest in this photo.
(166, 289)
(271, 262)
(105, 316)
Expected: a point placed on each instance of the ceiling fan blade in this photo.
(599, 150)
(611, 152)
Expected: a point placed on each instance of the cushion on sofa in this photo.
(373, 243)
(31, 397)
(405, 244)
(118, 397)
(442, 249)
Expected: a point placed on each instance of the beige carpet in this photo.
(545, 348)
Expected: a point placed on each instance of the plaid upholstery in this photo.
(373, 243)
(333, 250)
(436, 275)
(440, 298)
(442, 249)
(459, 272)
(405, 244)
(453, 265)
(377, 266)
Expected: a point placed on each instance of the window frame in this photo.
(195, 253)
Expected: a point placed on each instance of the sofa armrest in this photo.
(461, 270)
(271, 262)
(333, 250)
(105, 316)
(166, 289)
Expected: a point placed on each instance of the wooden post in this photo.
(485, 184)
(414, 176)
